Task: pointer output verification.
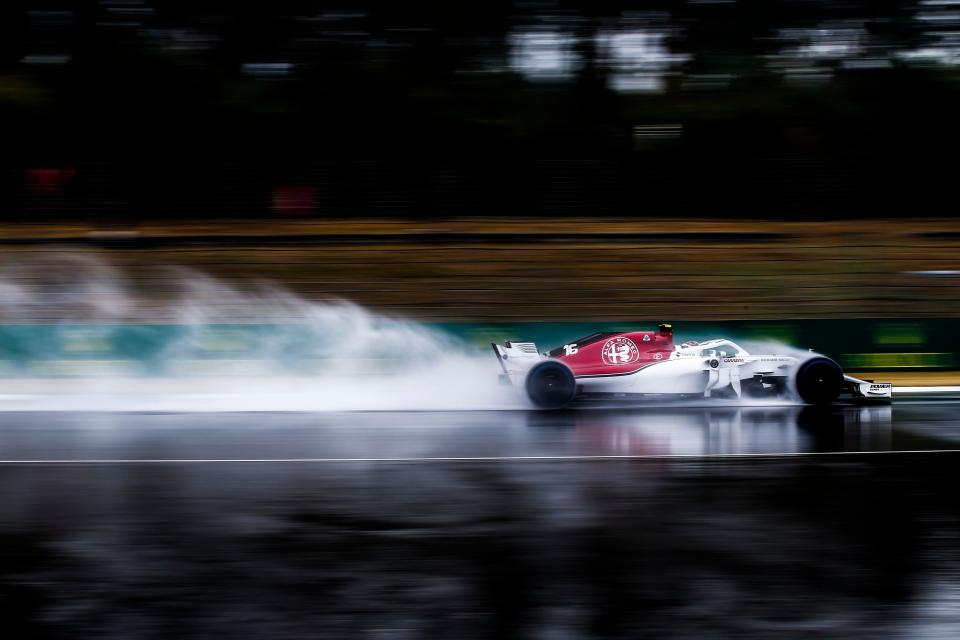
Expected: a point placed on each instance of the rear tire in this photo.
(819, 381)
(551, 385)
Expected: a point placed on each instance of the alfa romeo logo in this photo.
(620, 350)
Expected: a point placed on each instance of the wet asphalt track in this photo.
(658, 522)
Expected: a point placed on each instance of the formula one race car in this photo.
(647, 363)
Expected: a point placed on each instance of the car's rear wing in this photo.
(516, 358)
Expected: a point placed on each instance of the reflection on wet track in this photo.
(506, 527)
(728, 430)
(664, 431)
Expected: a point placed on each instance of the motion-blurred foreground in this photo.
(398, 529)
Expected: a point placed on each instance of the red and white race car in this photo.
(647, 363)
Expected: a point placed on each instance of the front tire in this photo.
(819, 381)
(551, 385)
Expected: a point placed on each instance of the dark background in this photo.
(754, 108)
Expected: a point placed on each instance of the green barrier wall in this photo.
(67, 349)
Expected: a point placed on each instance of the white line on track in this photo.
(669, 456)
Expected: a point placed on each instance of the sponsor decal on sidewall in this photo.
(619, 351)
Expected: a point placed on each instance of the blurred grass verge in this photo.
(569, 269)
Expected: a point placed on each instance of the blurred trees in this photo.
(704, 107)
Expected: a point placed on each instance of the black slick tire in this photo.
(550, 385)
